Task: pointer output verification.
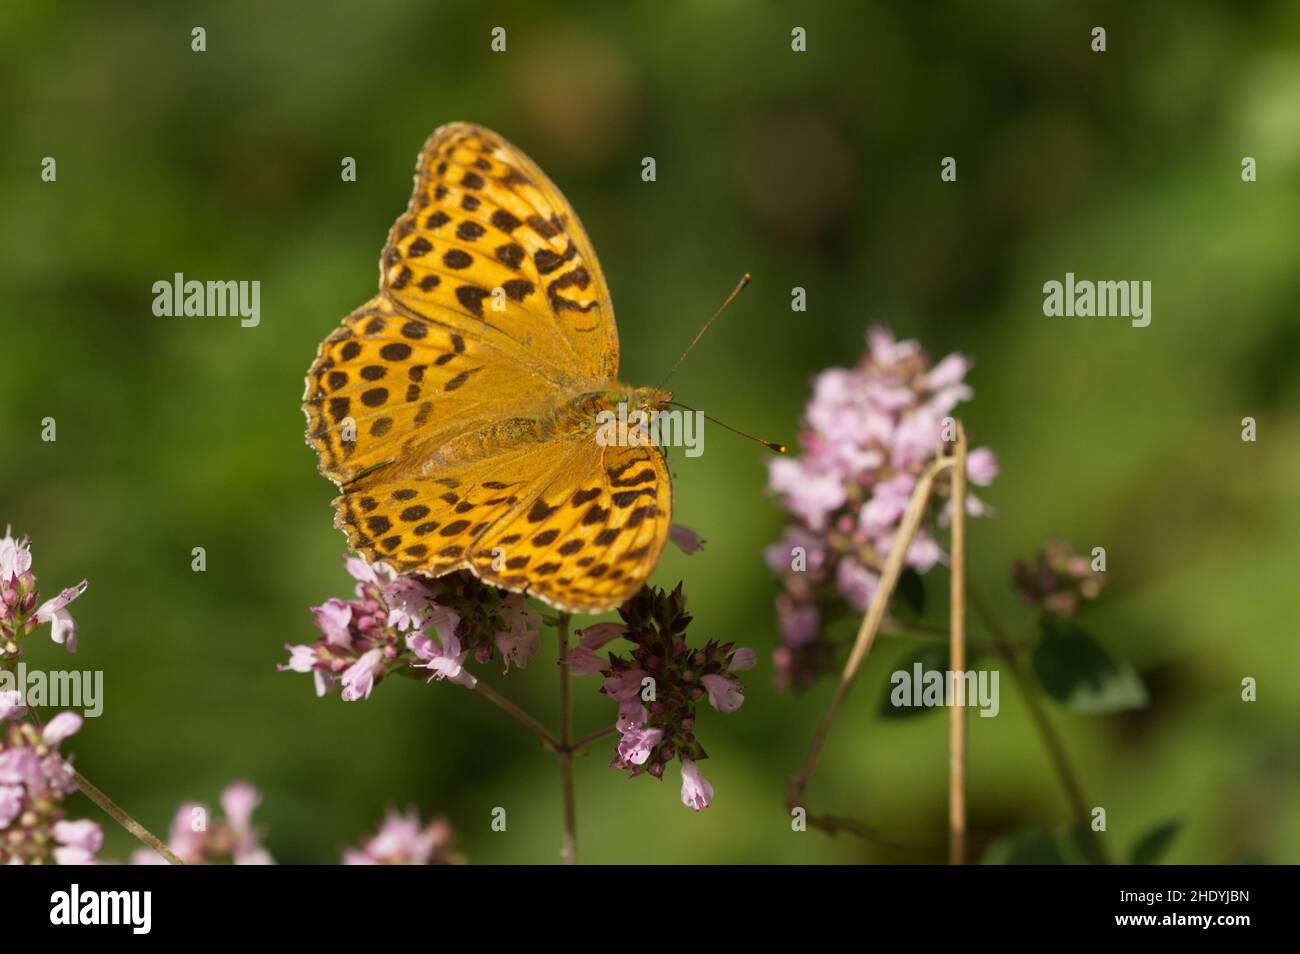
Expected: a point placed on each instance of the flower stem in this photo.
(123, 819)
(569, 848)
(578, 747)
(871, 620)
(1055, 747)
(957, 660)
(518, 714)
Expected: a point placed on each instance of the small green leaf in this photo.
(1077, 671)
(932, 657)
(1148, 849)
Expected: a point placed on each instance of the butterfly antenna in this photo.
(730, 298)
(770, 445)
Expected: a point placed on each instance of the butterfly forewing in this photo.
(489, 244)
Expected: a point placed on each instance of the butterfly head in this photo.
(647, 400)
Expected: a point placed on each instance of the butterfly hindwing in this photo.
(590, 536)
(429, 522)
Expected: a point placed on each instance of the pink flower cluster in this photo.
(34, 778)
(21, 609)
(659, 685)
(869, 432)
(198, 839)
(399, 623)
(403, 840)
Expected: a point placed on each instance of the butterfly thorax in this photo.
(578, 416)
(584, 413)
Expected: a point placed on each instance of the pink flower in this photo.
(686, 539)
(333, 617)
(583, 662)
(11, 704)
(857, 584)
(20, 766)
(742, 659)
(888, 501)
(402, 840)
(359, 678)
(79, 842)
(630, 715)
(724, 694)
(808, 547)
(624, 686)
(63, 628)
(448, 662)
(34, 779)
(696, 790)
(800, 623)
(380, 574)
(810, 496)
(60, 727)
(869, 433)
(584, 659)
(981, 466)
(301, 658)
(637, 744)
(443, 620)
(15, 557)
(239, 801)
(11, 803)
(230, 839)
(518, 647)
(947, 373)
(597, 635)
(519, 641)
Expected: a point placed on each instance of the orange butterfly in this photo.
(456, 410)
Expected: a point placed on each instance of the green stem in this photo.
(123, 819)
(518, 714)
(569, 848)
(578, 747)
(1038, 713)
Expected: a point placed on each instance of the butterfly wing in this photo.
(489, 289)
(590, 537)
(387, 389)
(490, 246)
(582, 531)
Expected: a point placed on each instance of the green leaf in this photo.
(1077, 671)
(1148, 849)
(933, 656)
(911, 587)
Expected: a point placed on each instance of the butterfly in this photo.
(456, 410)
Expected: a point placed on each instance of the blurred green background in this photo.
(818, 170)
